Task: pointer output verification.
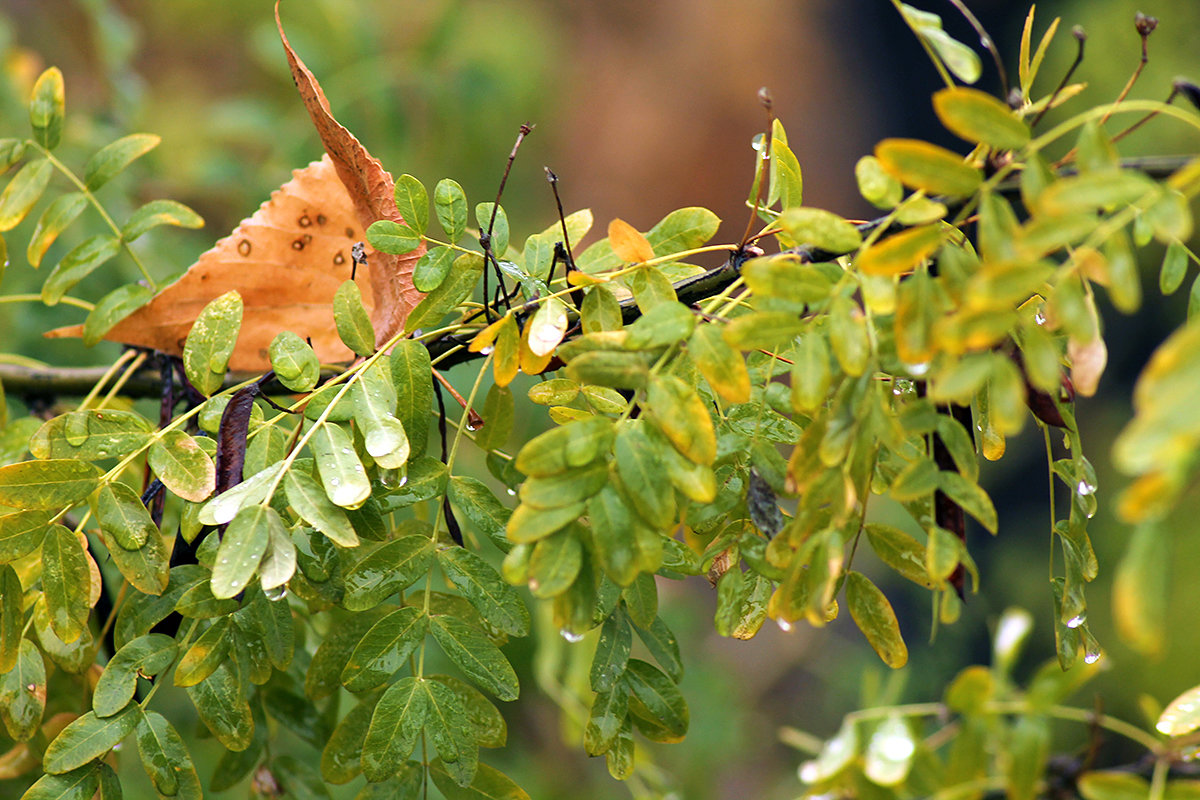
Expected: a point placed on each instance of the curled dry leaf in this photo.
(288, 259)
(1088, 360)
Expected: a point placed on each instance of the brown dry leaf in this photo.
(286, 261)
(1088, 360)
(372, 191)
(289, 258)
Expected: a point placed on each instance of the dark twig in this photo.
(485, 237)
(986, 41)
(1081, 37)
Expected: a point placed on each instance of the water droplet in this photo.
(1084, 488)
(345, 451)
(894, 748)
(276, 593)
(1039, 318)
(786, 627)
(1077, 620)
(224, 560)
(809, 772)
(917, 370)
(334, 481)
(511, 492)
(486, 351)
(1091, 656)
(571, 636)
(234, 584)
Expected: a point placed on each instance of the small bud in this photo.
(764, 97)
(1189, 90)
(1015, 100)
(1145, 25)
(1079, 33)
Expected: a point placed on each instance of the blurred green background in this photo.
(640, 108)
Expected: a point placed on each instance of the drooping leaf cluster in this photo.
(352, 583)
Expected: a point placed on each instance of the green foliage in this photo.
(744, 422)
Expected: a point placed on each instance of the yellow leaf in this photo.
(629, 245)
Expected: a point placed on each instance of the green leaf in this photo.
(1028, 749)
(812, 374)
(1096, 191)
(788, 277)
(210, 342)
(450, 205)
(560, 449)
(89, 737)
(157, 213)
(681, 414)
(432, 268)
(483, 588)
(926, 166)
(115, 157)
(146, 655)
(385, 649)
(12, 617)
(310, 502)
(610, 708)
(242, 548)
(22, 707)
(600, 311)
(661, 644)
(445, 729)
(980, 118)
(412, 201)
(342, 474)
(547, 326)
(765, 330)
(481, 507)
(123, 517)
(1174, 268)
(146, 568)
(483, 215)
(78, 264)
(656, 699)
(341, 758)
(11, 151)
(166, 759)
(683, 229)
(78, 784)
(47, 108)
(821, 229)
(374, 407)
(567, 488)
(205, 654)
(295, 364)
(661, 326)
(393, 238)
(353, 323)
(54, 220)
(555, 562)
(476, 656)
(899, 551)
(395, 725)
(22, 192)
(873, 615)
(222, 707)
(528, 524)
(612, 652)
(91, 435)
(183, 467)
(66, 582)
(21, 533)
(112, 308)
(457, 287)
(413, 379)
(488, 784)
(971, 497)
(614, 538)
(1115, 785)
(616, 369)
(876, 185)
(721, 366)
(388, 569)
(643, 476)
(641, 600)
(498, 412)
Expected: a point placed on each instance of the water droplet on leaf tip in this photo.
(511, 492)
(784, 625)
(1084, 488)
(809, 772)
(571, 636)
(1039, 318)
(486, 351)
(1091, 657)
(1076, 621)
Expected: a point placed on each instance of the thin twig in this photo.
(1081, 37)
